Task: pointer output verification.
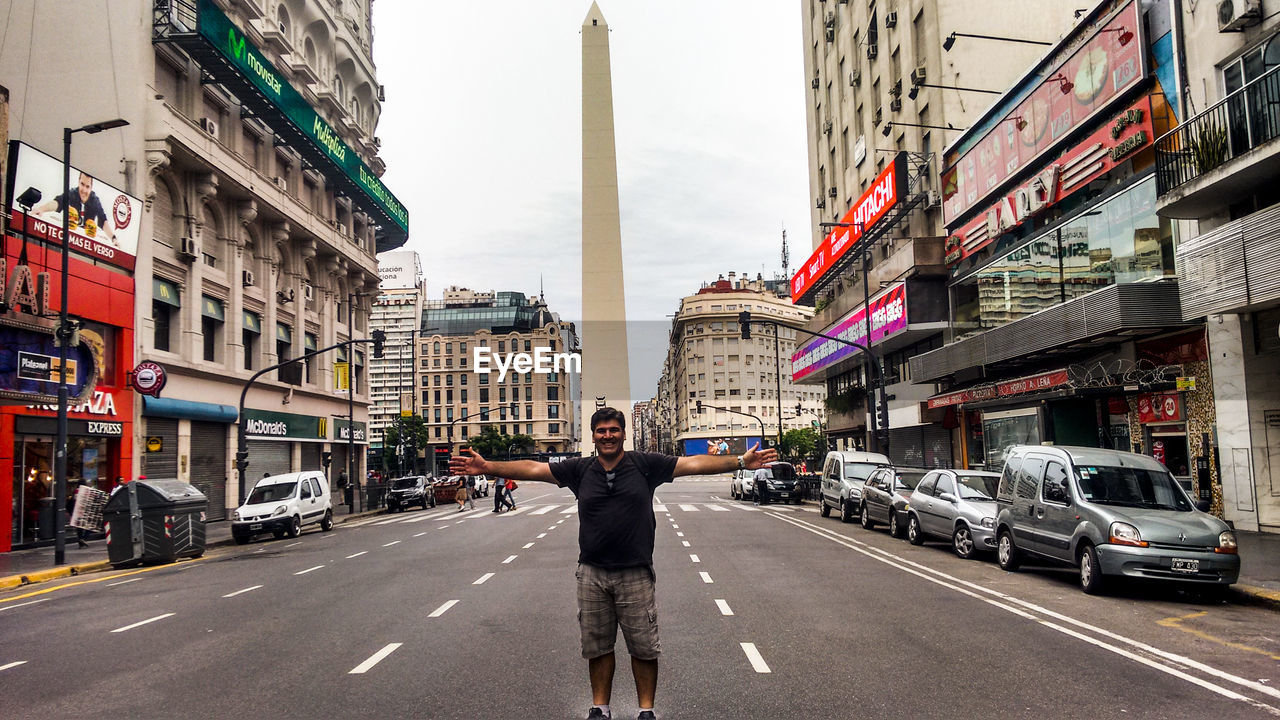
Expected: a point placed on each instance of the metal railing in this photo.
(1239, 123)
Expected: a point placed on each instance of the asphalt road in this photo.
(764, 612)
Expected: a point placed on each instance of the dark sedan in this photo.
(776, 482)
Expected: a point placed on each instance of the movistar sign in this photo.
(218, 30)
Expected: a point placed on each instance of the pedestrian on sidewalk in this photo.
(616, 529)
(462, 496)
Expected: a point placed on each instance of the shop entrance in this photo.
(1168, 444)
(33, 516)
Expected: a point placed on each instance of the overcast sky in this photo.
(481, 133)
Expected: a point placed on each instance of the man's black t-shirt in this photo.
(615, 524)
(91, 208)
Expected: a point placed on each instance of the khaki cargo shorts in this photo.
(608, 599)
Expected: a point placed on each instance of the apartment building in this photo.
(1218, 180)
(743, 385)
(397, 311)
(250, 142)
(464, 343)
(893, 83)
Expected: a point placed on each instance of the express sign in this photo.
(888, 189)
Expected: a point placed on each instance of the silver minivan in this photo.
(843, 475)
(1110, 513)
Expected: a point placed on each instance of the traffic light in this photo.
(744, 323)
(326, 458)
(379, 337)
(242, 460)
(699, 406)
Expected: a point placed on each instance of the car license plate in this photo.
(256, 526)
(1185, 566)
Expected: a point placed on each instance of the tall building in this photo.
(606, 378)
(1217, 178)
(642, 426)
(708, 362)
(468, 348)
(892, 84)
(397, 311)
(251, 144)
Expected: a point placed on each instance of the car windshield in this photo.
(779, 472)
(271, 493)
(977, 487)
(1131, 487)
(909, 479)
(404, 483)
(859, 471)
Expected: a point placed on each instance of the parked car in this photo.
(773, 482)
(955, 505)
(411, 490)
(1110, 513)
(284, 504)
(885, 496)
(843, 474)
(743, 484)
(482, 486)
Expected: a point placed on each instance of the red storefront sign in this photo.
(1032, 383)
(1160, 407)
(1103, 150)
(880, 198)
(1071, 92)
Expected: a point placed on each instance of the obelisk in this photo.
(605, 375)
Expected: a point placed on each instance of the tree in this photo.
(492, 444)
(402, 459)
(798, 444)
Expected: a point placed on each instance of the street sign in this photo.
(1186, 383)
(341, 376)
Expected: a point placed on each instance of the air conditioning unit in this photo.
(872, 51)
(875, 119)
(820, 202)
(896, 89)
(895, 104)
(832, 191)
(826, 127)
(831, 19)
(831, 34)
(281, 182)
(815, 83)
(187, 248)
(382, 93)
(209, 125)
(1236, 15)
(933, 199)
(890, 19)
(855, 77)
(246, 278)
(917, 75)
(377, 142)
(308, 293)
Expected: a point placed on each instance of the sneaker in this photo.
(596, 714)
(646, 715)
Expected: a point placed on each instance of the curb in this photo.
(39, 576)
(1258, 595)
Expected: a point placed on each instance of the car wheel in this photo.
(1091, 578)
(326, 523)
(895, 528)
(240, 539)
(825, 510)
(295, 527)
(915, 535)
(1008, 556)
(962, 541)
(865, 518)
(846, 512)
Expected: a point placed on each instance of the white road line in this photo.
(393, 542)
(509, 559)
(362, 552)
(553, 527)
(689, 508)
(517, 511)
(543, 510)
(541, 535)
(660, 508)
(679, 534)
(443, 609)
(527, 546)
(255, 552)
(122, 582)
(724, 607)
(477, 513)
(675, 527)
(561, 520)
(31, 602)
(442, 527)
(144, 622)
(424, 532)
(569, 510)
(376, 658)
(757, 661)
(694, 558)
(482, 578)
(685, 543)
(13, 664)
(241, 592)
(706, 577)
(304, 572)
(718, 508)
(294, 543)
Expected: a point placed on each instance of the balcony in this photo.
(1209, 161)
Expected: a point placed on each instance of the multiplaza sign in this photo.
(542, 361)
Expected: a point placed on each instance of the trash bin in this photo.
(154, 520)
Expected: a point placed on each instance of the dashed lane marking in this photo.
(757, 660)
(421, 534)
(541, 535)
(527, 546)
(122, 582)
(33, 602)
(509, 559)
(482, 578)
(679, 534)
(142, 622)
(304, 572)
(442, 609)
(376, 658)
(686, 543)
(14, 664)
(241, 592)
(694, 558)
(356, 555)
(706, 577)
(393, 542)
(724, 607)
(442, 527)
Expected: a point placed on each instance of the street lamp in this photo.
(951, 39)
(64, 335)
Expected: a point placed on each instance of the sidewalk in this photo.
(33, 565)
(1259, 565)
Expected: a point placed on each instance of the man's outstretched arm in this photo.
(713, 464)
(469, 462)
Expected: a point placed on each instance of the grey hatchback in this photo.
(1110, 513)
(957, 505)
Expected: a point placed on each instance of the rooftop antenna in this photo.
(786, 255)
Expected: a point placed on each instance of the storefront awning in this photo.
(165, 292)
(188, 409)
(1007, 388)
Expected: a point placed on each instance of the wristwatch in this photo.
(742, 464)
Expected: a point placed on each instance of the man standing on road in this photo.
(615, 541)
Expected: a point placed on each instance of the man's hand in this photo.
(467, 462)
(755, 458)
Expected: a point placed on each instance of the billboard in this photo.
(888, 190)
(888, 316)
(29, 367)
(102, 220)
(398, 270)
(726, 445)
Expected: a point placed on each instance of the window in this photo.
(528, 346)
(448, 397)
(1029, 478)
(211, 321)
(553, 393)
(502, 346)
(162, 313)
(926, 485)
(553, 428)
(448, 348)
(946, 485)
(436, 397)
(553, 411)
(437, 413)
(425, 395)
(435, 380)
(1055, 488)
(249, 339)
(462, 380)
(528, 428)
(502, 413)
(462, 347)
(484, 379)
(528, 412)
(435, 347)
(462, 396)
(448, 414)
(484, 395)
(502, 394)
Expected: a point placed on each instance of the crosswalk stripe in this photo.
(689, 508)
(517, 511)
(718, 508)
(569, 510)
(659, 508)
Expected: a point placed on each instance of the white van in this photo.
(283, 504)
(843, 475)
